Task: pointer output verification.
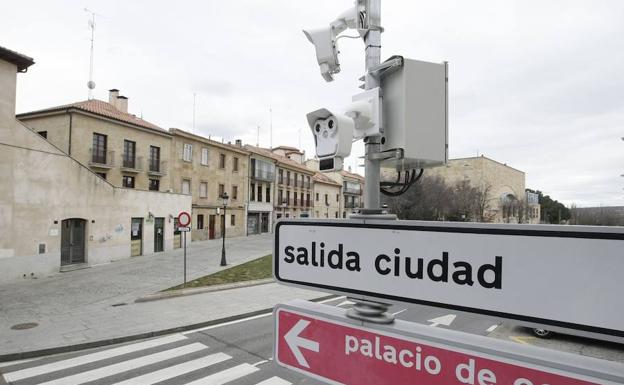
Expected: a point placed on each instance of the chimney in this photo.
(239, 142)
(122, 103)
(112, 96)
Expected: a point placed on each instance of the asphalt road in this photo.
(237, 353)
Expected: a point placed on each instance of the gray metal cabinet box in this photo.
(415, 114)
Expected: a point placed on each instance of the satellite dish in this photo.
(90, 84)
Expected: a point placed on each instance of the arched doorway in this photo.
(73, 235)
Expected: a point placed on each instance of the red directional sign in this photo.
(339, 353)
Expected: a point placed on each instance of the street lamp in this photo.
(225, 198)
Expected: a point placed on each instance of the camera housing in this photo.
(333, 135)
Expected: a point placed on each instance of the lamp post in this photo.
(225, 198)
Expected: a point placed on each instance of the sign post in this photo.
(555, 277)
(322, 342)
(184, 220)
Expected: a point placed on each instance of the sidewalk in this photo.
(97, 304)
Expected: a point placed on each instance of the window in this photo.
(187, 155)
(326, 199)
(200, 221)
(98, 152)
(336, 214)
(154, 164)
(128, 181)
(302, 176)
(317, 197)
(302, 201)
(337, 197)
(295, 177)
(234, 192)
(203, 190)
(154, 184)
(308, 182)
(186, 186)
(235, 164)
(204, 157)
(280, 176)
(287, 178)
(43, 134)
(308, 200)
(295, 198)
(232, 220)
(288, 197)
(101, 175)
(259, 193)
(221, 190)
(129, 154)
(268, 194)
(252, 190)
(221, 160)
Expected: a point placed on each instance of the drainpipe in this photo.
(70, 131)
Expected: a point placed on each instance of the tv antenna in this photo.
(91, 83)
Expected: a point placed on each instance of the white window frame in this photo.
(205, 156)
(189, 186)
(204, 193)
(187, 152)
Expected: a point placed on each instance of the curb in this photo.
(201, 290)
(140, 336)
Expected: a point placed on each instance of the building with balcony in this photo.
(326, 196)
(207, 169)
(261, 187)
(118, 146)
(57, 213)
(294, 187)
(352, 188)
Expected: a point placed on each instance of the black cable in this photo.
(410, 179)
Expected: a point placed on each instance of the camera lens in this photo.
(330, 124)
(317, 127)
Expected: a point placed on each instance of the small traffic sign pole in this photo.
(184, 220)
(184, 285)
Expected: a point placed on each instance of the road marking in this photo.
(522, 339)
(89, 358)
(346, 303)
(227, 375)
(399, 312)
(446, 320)
(260, 363)
(246, 319)
(11, 363)
(228, 323)
(176, 370)
(274, 381)
(491, 328)
(96, 374)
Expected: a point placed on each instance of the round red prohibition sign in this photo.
(184, 219)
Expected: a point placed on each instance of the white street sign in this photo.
(561, 276)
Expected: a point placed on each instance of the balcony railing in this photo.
(350, 205)
(265, 175)
(130, 163)
(157, 167)
(101, 159)
(352, 190)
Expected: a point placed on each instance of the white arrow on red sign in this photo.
(295, 342)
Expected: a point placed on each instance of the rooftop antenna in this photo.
(271, 115)
(258, 138)
(194, 95)
(299, 139)
(91, 83)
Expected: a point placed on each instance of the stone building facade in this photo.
(56, 213)
(327, 202)
(207, 169)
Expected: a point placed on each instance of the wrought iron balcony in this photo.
(157, 167)
(264, 175)
(131, 163)
(101, 158)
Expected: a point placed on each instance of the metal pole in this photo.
(184, 260)
(223, 262)
(369, 310)
(372, 42)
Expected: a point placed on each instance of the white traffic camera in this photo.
(333, 134)
(325, 38)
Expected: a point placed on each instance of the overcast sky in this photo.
(538, 85)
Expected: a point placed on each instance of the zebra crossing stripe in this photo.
(89, 358)
(274, 381)
(176, 370)
(125, 366)
(226, 375)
